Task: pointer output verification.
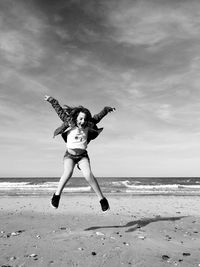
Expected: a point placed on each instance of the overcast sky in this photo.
(140, 56)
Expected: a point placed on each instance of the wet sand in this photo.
(138, 231)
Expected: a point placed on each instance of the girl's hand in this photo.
(46, 97)
(113, 109)
(110, 109)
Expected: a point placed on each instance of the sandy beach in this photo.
(137, 231)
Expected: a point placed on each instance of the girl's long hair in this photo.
(74, 111)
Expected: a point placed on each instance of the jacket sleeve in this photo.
(59, 110)
(61, 129)
(98, 117)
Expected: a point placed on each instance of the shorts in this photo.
(76, 158)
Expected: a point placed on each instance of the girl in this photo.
(77, 130)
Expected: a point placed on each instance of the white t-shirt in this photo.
(77, 138)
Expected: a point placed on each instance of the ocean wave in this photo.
(48, 187)
(164, 192)
(27, 186)
(159, 186)
(120, 183)
(127, 185)
(77, 189)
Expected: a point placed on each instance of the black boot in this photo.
(55, 201)
(104, 204)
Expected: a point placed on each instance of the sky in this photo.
(140, 56)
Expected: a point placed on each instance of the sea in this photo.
(38, 186)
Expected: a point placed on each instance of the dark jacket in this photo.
(93, 131)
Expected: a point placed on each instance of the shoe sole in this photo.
(104, 211)
(53, 206)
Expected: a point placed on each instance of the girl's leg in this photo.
(68, 170)
(87, 173)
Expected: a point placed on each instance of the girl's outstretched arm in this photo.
(97, 117)
(59, 110)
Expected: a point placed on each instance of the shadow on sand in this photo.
(134, 225)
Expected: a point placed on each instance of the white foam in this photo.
(78, 189)
(49, 186)
(159, 188)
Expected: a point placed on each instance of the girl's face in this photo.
(81, 120)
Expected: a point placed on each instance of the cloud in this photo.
(153, 22)
(140, 56)
(120, 36)
(20, 38)
(20, 51)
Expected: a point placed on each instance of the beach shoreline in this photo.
(137, 231)
(116, 185)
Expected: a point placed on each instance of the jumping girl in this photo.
(77, 130)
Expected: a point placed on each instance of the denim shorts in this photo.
(76, 158)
